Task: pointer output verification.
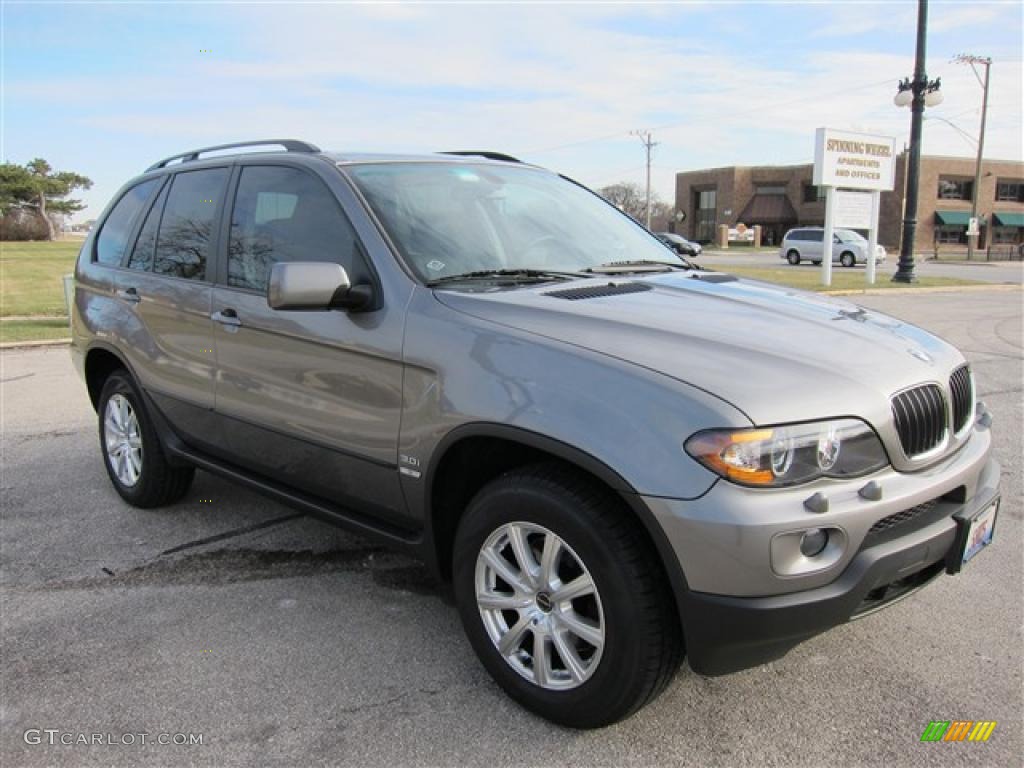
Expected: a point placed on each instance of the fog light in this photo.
(813, 542)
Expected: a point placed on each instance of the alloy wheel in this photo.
(123, 440)
(540, 606)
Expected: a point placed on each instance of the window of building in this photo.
(145, 245)
(813, 193)
(955, 189)
(951, 234)
(186, 232)
(285, 214)
(770, 189)
(707, 214)
(1004, 235)
(1010, 191)
(113, 238)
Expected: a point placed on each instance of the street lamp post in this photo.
(964, 58)
(916, 94)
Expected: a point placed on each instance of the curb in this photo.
(33, 344)
(999, 287)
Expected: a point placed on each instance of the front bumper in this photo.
(737, 611)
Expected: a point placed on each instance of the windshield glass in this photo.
(849, 236)
(449, 219)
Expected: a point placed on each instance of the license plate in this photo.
(979, 535)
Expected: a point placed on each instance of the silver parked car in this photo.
(849, 248)
(485, 365)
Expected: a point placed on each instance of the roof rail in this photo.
(483, 153)
(291, 145)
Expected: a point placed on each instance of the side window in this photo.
(187, 228)
(285, 214)
(145, 245)
(112, 240)
(816, 236)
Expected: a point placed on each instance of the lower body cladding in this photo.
(763, 573)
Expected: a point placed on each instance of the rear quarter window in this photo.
(112, 240)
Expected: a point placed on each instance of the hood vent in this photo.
(597, 291)
(714, 277)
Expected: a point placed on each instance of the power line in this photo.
(706, 118)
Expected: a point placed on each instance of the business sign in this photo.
(854, 160)
(851, 209)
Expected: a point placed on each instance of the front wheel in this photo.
(847, 259)
(793, 257)
(563, 601)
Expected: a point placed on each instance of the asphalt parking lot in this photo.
(286, 642)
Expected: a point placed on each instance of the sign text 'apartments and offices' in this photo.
(854, 160)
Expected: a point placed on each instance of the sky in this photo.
(106, 89)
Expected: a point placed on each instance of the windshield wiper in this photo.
(534, 275)
(640, 265)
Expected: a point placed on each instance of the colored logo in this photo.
(958, 730)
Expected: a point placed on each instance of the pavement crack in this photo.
(359, 708)
(225, 566)
(232, 534)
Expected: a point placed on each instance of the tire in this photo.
(142, 476)
(793, 257)
(636, 644)
(848, 259)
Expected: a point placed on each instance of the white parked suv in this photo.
(848, 247)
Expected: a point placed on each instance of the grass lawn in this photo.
(842, 279)
(34, 330)
(31, 277)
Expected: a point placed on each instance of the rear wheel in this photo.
(562, 599)
(793, 257)
(132, 452)
(847, 259)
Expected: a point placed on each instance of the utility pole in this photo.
(964, 58)
(649, 144)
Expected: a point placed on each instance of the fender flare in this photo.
(572, 455)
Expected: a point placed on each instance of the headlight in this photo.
(790, 454)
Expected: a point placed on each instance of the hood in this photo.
(775, 353)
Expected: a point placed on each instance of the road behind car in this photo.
(283, 640)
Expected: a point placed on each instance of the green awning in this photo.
(953, 218)
(1004, 219)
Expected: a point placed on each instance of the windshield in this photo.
(849, 236)
(449, 219)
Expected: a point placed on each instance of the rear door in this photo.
(167, 289)
(309, 399)
(812, 246)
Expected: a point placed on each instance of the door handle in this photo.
(226, 317)
(130, 295)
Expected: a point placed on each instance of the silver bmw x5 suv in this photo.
(483, 364)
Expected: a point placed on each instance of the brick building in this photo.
(780, 197)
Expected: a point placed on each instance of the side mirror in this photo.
(314, 285)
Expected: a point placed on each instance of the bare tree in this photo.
(631, 199)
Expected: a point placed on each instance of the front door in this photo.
(311, 400)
